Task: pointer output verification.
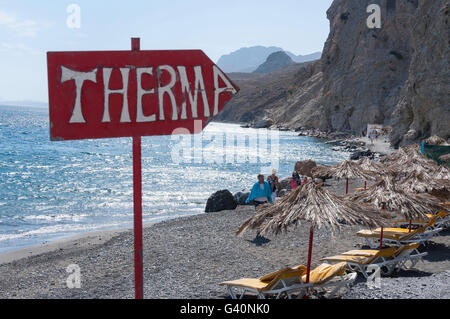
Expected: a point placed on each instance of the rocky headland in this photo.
(396, 76)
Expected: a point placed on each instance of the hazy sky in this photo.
(30, 28)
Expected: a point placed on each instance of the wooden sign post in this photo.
(137, 202)
(106, 94)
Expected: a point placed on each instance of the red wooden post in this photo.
(135, 44)
(137, 193)
(410, 225)
(381, 239)
(382, 228)
(346, 187)
(365, 185)
(308, 265)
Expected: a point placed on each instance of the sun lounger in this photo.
(388, 260)
(327, 276)
(401, 236)
(286, 282)
(275, 284)
(442, 220)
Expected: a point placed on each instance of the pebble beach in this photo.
(188, 257)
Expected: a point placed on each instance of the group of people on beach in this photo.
(265, 191)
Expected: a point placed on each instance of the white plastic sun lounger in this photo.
(387, 260)
(402, 236)
(286, 282)
(442, 220)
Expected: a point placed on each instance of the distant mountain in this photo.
(248, 59)
(305, 58)
(245, 59)
(275, 61)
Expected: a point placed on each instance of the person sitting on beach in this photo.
(273, 181)
(261, 192)
(295, 180)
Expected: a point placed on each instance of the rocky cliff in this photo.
(396, 75)
(423, 108)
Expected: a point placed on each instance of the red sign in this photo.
(133, 93)
(106, 94)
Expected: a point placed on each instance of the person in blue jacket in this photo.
(261, 192)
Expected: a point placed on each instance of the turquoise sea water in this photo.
(50, 190)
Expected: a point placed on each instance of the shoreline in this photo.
(23, 252)
(92, 238)
(81, 240)
(24, 249)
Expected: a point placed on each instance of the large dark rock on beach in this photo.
(304, 168)
(221, 200)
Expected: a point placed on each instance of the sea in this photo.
(53, 190)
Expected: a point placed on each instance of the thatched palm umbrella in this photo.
(442, 179)
(403, 154)
(443, 172)
(416, 172)
(413, 165)
(394, 156)
(445, 158)
(387, 195)
(347, 169)
(436, 140)
(316, 205)
(371, 166)
(410, 161)
(377, 169)
(420, 181)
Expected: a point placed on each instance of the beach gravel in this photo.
(406, 285)
(188, 257)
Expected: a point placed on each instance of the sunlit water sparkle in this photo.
(50, 190)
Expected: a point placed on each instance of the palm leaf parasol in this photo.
(416, 172)
(375, 168)
(387, 195)
(409, 159)
(436, 140)
(347, 169)
(420, 181)
(443, 172)
(402, 154)
(445, 158)
(371, 166)
(314, 204)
